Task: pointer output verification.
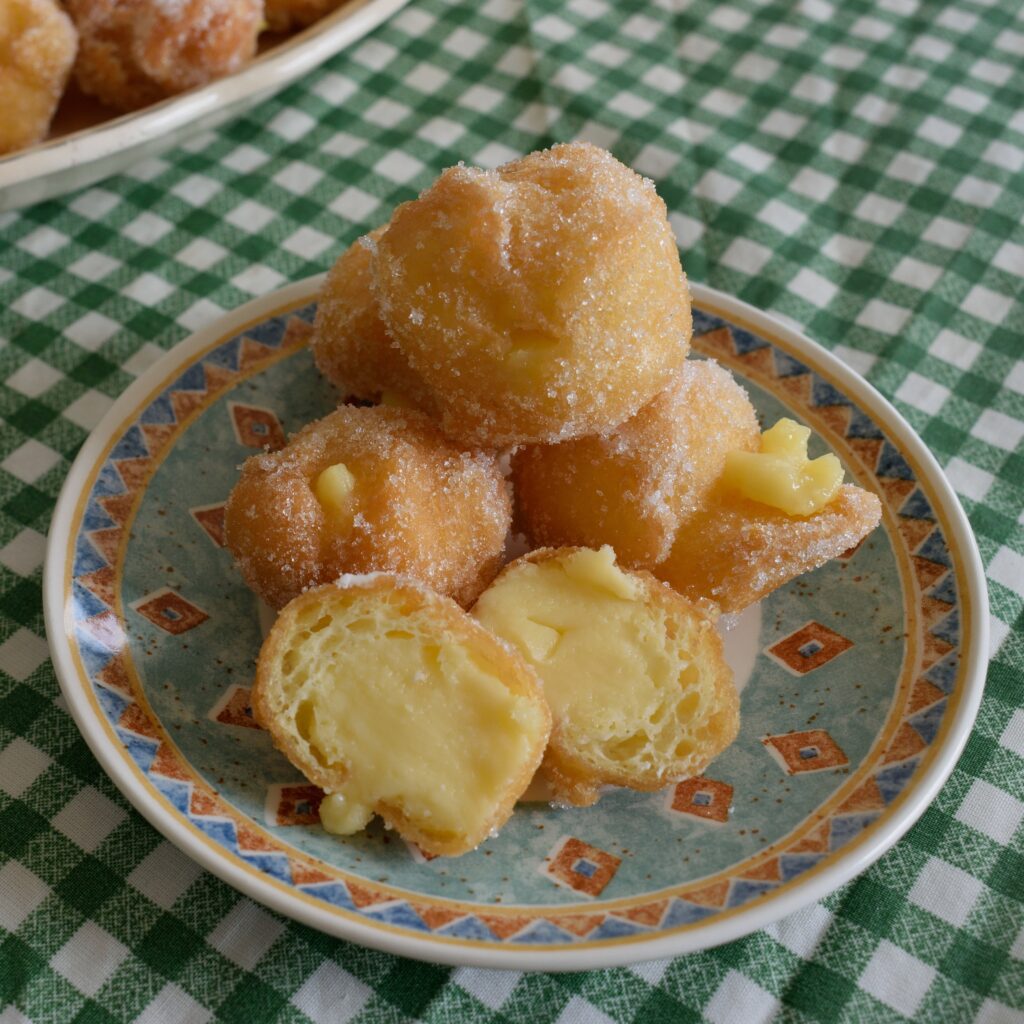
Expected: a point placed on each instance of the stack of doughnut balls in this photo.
(522, 335)
(125, 53)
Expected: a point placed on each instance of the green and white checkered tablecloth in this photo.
(854, 166)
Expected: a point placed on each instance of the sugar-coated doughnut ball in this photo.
(632, 487)
(37, 49)
(135, 52)
(734, 551)
(284, 15)
(351, 344)
(540, 301)
(363, 490)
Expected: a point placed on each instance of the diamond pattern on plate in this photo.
(581, 867)
(293, 804)
(701, 797)
(171, 612)
(810, 647)
(234, 708)
(211, 519)
(810, 751)
(256, 427)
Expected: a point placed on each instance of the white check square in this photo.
(896, 978)
(987, 808)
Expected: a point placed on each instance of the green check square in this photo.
(21, 707)
(80, 760)
(1007, 875)
(974, 964)
(19, 825)
(872, 906)
(251, 1000)
(93, 1013)
(411, 985)
(92, 370)
(976, 389)
(660, 1008)
(168, 946)
(819, 992)
(88, 885)
(23, 602)
(32, 417)
(19, 965)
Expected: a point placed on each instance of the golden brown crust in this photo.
(540, 301)
(37, 49)
(404, 597)
(578, 782)
(285, 15)
(735, 551)
(631, 487)
(136, 52)
(423, 508)
(351, 344)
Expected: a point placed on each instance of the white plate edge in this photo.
(427, 947)
(26, 177)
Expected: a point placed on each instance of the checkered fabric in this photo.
(855, 167)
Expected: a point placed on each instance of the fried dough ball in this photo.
(398, 703)
(632, 487)
(365, 490)
(351, 344)
(734, 551)
(540, 301)
(639, 689)
(136, 52)
(285, 15)
(37, 49)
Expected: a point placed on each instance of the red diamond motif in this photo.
(171, 612)
(256, 427)
(234, 709)
(810, 647)
(703, 798)
(211, 519)
(294, 805)
(581, 867)
(802, 752)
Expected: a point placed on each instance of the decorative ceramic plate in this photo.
(92, 143)
(860, 681)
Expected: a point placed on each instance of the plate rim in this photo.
(799, 893)
(35, 174)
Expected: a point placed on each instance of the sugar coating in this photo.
(540, 301)
(735, 551)
(633, 486)
(284, 15)
(37, 50)
(420, 508)
(351, 344)
(135, 52)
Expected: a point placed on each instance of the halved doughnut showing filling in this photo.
(639, 690)
(396, 702)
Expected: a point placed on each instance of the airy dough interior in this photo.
(633, 698)
(401, 717)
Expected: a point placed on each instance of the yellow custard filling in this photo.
(611, 672)
(408, 718)
(781, 475)
(334, 489)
